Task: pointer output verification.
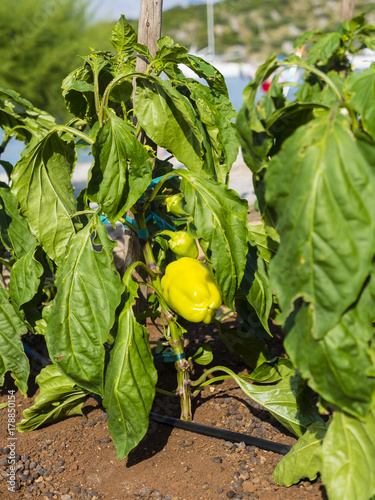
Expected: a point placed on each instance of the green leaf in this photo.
(41, 183)
(338, 364)
(289, 401)
(266, 239)
(130, 379)
(25, 278)
(123, 36)
(30, 122)
(215, 111)
(304, 460)
(12, 356)
(58, 398)
(169, 120)
(204, 355)
(328, 184)
(349, 457)
(242, 341)
(272, 371)
(219, 217)
(88, 293)
(324, 48)
(255, 285)
(205, 70)
(122, 168)
(15, 232)
(362, 88)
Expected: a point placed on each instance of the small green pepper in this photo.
(182, 244)
(174, 205)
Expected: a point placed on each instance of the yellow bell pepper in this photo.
(190, 289)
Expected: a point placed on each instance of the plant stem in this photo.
(175, 340)
(182, 367)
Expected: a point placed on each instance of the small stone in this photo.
(22, 477)
(48, 442)
(237, 486)
(41, 485)
(76, 489)
(241, 445)
(64, 490)
(66, 497)
(91, 423)
(145, 492)
(94, 494)
(227, 401)
(60, 462)
(48, 494)
(5, 450)
(230, 494)
(51, 453)
(220, 490)
(249, 487)
(25, 458)
(35, 476)
(106, 440)
(32, 465)
(228, 444)
(3, 462)
(17, 457)
(59, 470)
(217, 460)
(188, 442)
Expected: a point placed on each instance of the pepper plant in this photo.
(64, 286)
(63, 282)
(313, 164)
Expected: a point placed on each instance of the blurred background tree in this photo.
(39, 44)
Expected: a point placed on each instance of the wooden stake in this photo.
(347, 10)
(149, 28)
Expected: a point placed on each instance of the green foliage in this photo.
(312, 161)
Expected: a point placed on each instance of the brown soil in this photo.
(76, 459)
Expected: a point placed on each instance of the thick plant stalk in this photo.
(182, 367)
(175, 340)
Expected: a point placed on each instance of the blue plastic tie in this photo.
(160, 222)
(168, 357)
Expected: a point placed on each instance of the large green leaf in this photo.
(349, 457)
(122, 168)
(338, 364)
(130, 379)
(88, 293)
(266, 240)
(243, 342)
(254, 139)
(324, 48)
(362, 87)
(25, 278)
(41, 183)
(20, 118)
(289, 401)
(12, 356)
(58, 398)
(255, 285)
(123, 36)
(169, 120)
(15, 232)
(304, 460)
(219, 217)
(215, 112)
(322, 188)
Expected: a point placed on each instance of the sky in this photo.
(112, 9)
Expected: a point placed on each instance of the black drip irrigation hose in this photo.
(215, 432)
(206, 430)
